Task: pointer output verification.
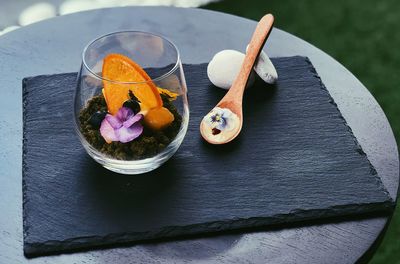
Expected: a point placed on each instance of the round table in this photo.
(55, 45)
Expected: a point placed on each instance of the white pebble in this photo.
(224, 67)
(36, 12)
(72, 6)
(264, 68)
(8, 29)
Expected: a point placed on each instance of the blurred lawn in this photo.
(362, 35)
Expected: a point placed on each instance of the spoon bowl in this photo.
(219, 132)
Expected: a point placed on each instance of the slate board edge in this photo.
(118, 239)
(24, 166)
(43, 248)
(359, 149)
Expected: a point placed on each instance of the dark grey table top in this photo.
(54, 46)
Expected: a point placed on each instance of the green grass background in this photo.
(364, 36)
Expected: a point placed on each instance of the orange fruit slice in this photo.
(172, 96)
(119, 68)
(158, 118)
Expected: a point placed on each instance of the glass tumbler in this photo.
(159, 57)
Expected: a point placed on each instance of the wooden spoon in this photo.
(224, 122)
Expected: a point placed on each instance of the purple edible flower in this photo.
(123, 127)
(220, 118)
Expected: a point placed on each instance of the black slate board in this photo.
(295, 160)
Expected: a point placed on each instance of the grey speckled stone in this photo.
(295, 160)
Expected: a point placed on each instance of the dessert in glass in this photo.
(131, 108)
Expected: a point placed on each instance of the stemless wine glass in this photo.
(159, 57)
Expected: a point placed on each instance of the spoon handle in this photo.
(257, 41)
